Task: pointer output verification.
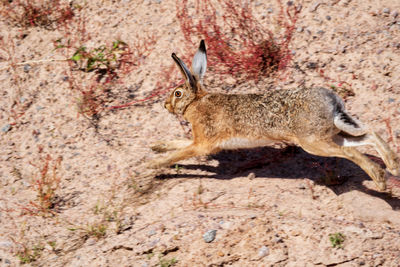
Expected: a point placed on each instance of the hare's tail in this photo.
(348, 124)
(343, 121)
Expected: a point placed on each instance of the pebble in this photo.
(386, 10)
(209, 236)
(300, 29)
(6, 128)
(312, 65)
(328, 17)
(5, 244)
(151, 232)
(391, 100)
(270, 10)
(395, 14)
(39, 108)
(154, 242)
(251, 176)
(263, 251)
(27, 68)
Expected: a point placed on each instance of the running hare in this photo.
(314, 119)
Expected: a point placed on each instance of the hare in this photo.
(314, 119)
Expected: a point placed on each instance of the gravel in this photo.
(209, 236)
(263, 251)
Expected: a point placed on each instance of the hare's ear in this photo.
(185, 71)
(199, 64)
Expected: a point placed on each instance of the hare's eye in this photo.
(178, 94)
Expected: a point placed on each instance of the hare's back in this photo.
(276, 113)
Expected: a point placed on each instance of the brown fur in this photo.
(304, 117)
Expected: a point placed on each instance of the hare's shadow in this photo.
(287, 163)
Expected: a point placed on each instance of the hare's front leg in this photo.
(181, 154)
(164, 146)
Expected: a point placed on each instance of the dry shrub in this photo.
(239, 45)
(31, 13)
(97, 72)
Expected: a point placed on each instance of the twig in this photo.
(33, 62)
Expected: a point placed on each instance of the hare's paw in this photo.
(159, 147)
(156, 164)
(164, 146)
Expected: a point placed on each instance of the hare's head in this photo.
(184, 94)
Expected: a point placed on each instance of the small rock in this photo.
(7, 261)
(300, 29)
(225, 225)
(302, 187)
(5, 244)
(209, 236)
(289, 3)
(154, 242)
(391, 100)
(251, 176)
(270, 10)
(22, 99)
(6, 128)
(151, 232)
(312, 65)
(395, 14)
(252, 217)
(27, 68)
(328, 17)
(39, 108)
(386, 10)
(91, 241)
(263, 251)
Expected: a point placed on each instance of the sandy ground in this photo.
(273, 206)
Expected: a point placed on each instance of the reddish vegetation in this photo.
(46, 183)
(31, 13)
(241, 45)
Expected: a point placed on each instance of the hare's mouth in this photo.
(168, 106)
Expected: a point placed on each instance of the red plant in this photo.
(31, 13)
(46, 183)
(239, 45)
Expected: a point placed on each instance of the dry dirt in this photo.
(273, 206)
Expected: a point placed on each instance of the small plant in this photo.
(29, 255)
(45, 184)
(105, 61)
(167, 263)
(31, 13)
(97, 230)
(337, 240)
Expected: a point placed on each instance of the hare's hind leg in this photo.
(372, 138)
(389, 157)
(331, 149)
(164, 146)
(181, 154)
